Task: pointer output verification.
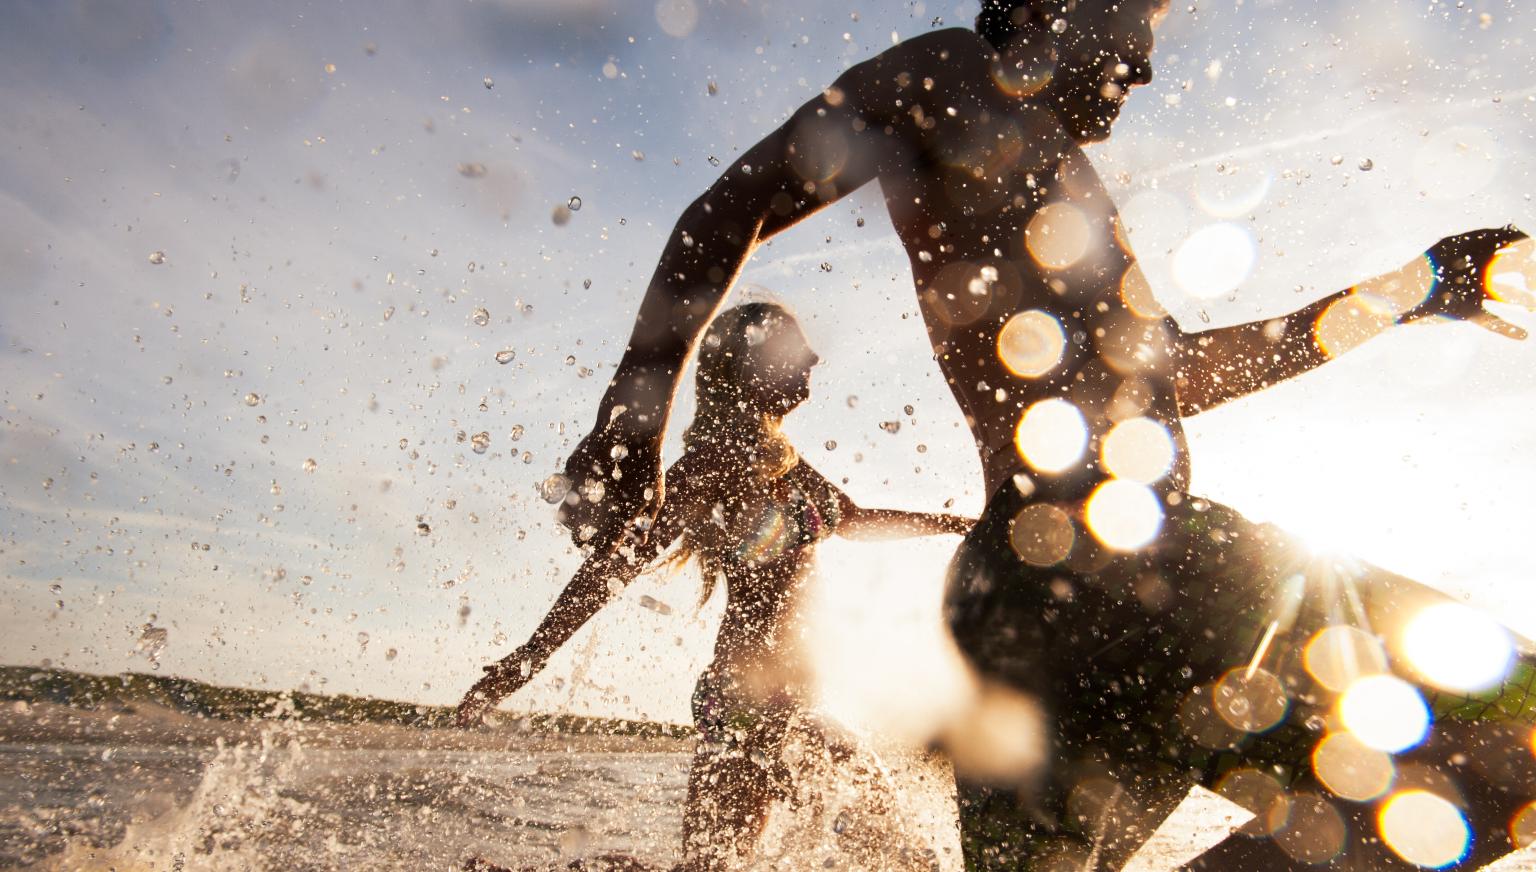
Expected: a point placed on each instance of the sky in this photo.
(261, 263)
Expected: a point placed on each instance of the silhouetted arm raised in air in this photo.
(1216, 366)
(823, 152)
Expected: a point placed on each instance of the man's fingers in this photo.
(1507, 234)
(1494, 324)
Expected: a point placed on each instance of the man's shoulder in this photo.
(950, 47)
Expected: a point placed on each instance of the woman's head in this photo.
(754, 368)
(756, 360)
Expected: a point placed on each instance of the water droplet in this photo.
(908, 409)
(890, 426)
(517, 432)
(481, 317)
(712, 88)
(1366, 165)
(637, 154)
(310, 465)
(553, 489)
(826, 267)
(853, 401)
(157, 257)
(489, 83)
(1059, 25)
(423, 528)
(505, 357)
(561, 216)
(586, 284)
(1336, 159)
(714, 161)
(404, 443)
(252, 399)
(481, 442)
(362, 639)
(570, 360)
(830, 445)
(573, 204)
(389, 313)
(859, 222)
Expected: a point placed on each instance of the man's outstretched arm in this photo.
(824, 151)
(1216, 366)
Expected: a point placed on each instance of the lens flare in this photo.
(1458, 648)
(1261, 794)
(1385, 712)
(1136, 294)
(1397, 292)
(1250, 702)
(1214, 260)
(1522, 827)
(1315, 832)
(1349, 322)
(1123, 515)
(1338, 655)
(1139, 450)
(1031, 343)
(1511, 275)
(1058, 236)
(1456, 162)
(1235, 192)
(1051, 435)
(1042, 534)
(1019, 75)
(1352, 769)
(1424, 829)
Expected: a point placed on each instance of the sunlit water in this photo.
(291, 808)
(269, 799)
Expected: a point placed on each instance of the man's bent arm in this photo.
(821, 153)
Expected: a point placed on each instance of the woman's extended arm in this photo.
(599, 579)
(857, 522)
(874, 524)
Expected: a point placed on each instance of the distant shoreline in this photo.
(108, 698)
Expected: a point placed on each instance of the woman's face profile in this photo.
(780, 363)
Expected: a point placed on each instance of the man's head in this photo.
(1101, 49)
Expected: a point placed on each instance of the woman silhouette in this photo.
(744, 504)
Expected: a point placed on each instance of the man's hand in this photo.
(1460, 263)
(613, 486)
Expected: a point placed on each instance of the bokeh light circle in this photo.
(1031, 343)
(1250, 702)
(1458, 648)
(1058, 236)
(1051, 435)
(1385, 712)
(1123, 515)
(1337, 655)
(1139, 449)
(1042, 534)
(1214, 260)
(1424, 829)
(1522, 826)
(1511, 275)
(1352, 769)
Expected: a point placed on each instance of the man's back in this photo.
(1010, 234)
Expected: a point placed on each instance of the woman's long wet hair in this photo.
(734, 424)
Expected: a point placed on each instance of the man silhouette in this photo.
(1093, 582)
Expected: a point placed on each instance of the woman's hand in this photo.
(502, 679)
